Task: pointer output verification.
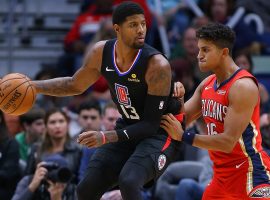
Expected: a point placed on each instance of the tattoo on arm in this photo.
(56, 87)
(158, 77)
(111, 136)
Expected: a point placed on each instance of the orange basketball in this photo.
(17, 95)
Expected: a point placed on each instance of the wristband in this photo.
(103, 137)
(188, 137)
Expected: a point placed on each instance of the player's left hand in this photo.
(179, 90)
(172, 126)
(90, 139)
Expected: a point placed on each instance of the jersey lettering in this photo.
(213, 109)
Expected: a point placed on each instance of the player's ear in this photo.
(116, 28)
(226, 51)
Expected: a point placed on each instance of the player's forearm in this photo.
(138, 130)
(63, 86)
(189, 119)
(214, 142)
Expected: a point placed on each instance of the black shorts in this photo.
(153, 153)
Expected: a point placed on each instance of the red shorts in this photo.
(235, 187)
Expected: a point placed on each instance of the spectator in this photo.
(246, 37)
(89, 116)
(33, 129)
(82, 32)
(9, 161)
(40, 186)
(56, 140)
(110, 116)
(86, 116)
(187, 50)
(89, 119)
(261, 8)
(174, 16)
(183, 72)
(86, 25)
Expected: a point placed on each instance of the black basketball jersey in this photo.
(129, 88)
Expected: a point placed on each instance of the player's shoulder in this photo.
(244, 90)
(96, 49)
(158, 63)
(99, 45)
(244, 84)
(206, 81)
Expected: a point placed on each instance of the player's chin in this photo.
(203, 67)
(138, 44)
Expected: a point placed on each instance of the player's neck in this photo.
(124, 56)
(225, 70)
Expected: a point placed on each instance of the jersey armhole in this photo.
(209, 79)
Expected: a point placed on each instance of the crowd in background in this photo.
(42, 142)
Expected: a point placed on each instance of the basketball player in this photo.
(139, 79)
(229, 102)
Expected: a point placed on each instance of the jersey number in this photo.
(130, 112)
(211, 129)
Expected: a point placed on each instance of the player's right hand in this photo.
(90, 139)
(172, 126)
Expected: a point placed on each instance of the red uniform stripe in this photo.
(167, 143)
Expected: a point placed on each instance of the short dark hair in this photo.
(108, 105)
(88, 105)
(124, 10)
(221, 35)
(32, 115)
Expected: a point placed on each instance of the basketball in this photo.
(17, 95)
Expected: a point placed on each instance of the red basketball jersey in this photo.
(248, 150)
